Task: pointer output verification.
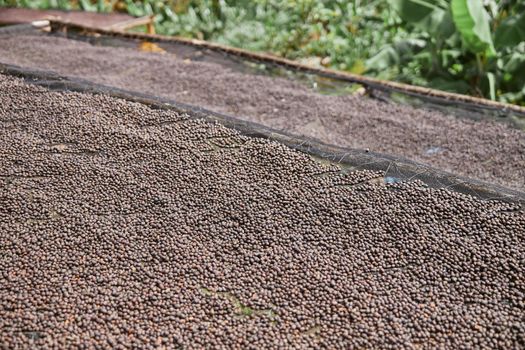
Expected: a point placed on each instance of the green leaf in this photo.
(473, 23)
(133, 9)
(101, 6)
(87, 6)
(511, 97)
(515, 63)
(425, 15)
(492, 85)
(449, 57)
(511, 31)
(385, 58)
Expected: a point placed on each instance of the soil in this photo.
(126, 227)
(485, 150)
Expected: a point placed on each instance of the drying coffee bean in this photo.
(123, 227)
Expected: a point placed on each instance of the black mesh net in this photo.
(395, 169)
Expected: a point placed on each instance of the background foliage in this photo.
(475, 47)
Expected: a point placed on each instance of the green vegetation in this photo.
(475, 47)
(459, 46)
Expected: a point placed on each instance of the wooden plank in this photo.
(91, 19)
(134, 22)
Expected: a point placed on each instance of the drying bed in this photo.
(331, 81)
(394, 168)
(122, 225)
(483, 149)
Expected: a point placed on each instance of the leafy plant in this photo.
(473, 22)
(465, 46)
